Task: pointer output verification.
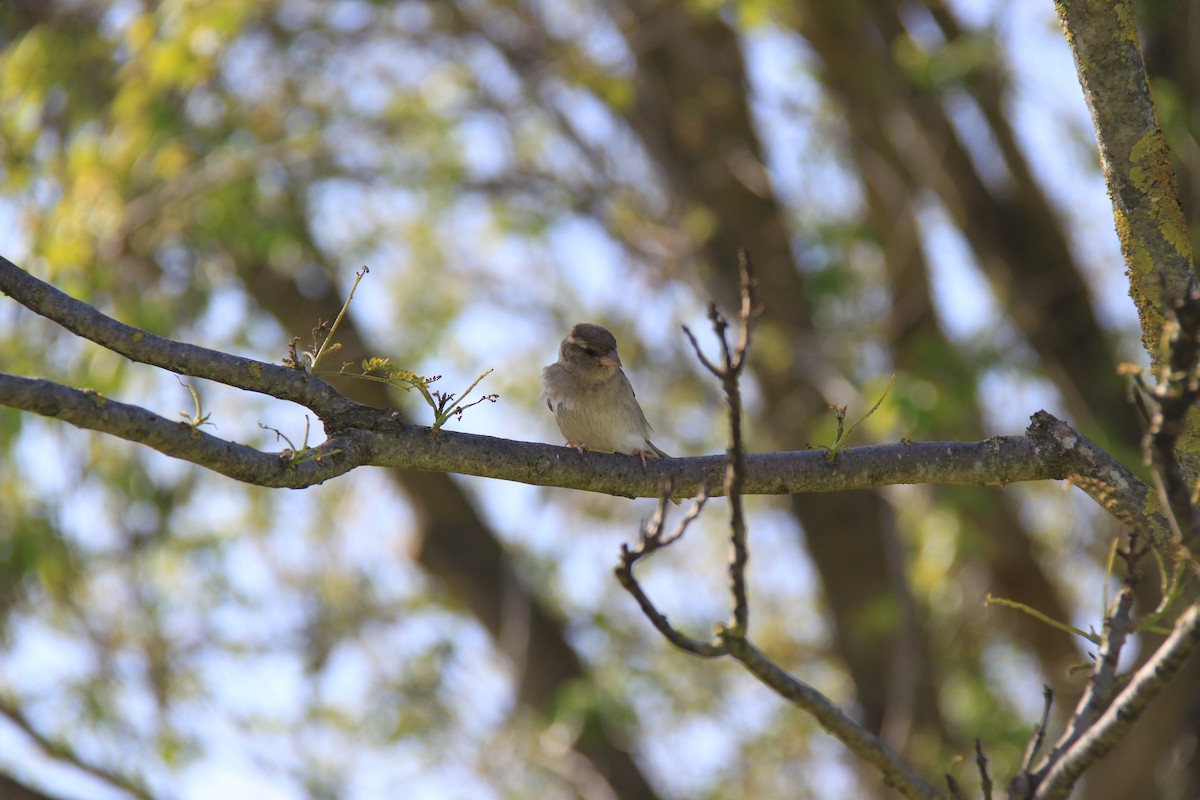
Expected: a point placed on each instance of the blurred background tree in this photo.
(916, 181)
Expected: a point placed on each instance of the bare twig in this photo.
(328, 341)
(1039, 733)
(732, 638)
(1103, 685)
(651, 538)
(1020, 787)
(688, 518)
(985, 780)
(733, 360)
(728, 370)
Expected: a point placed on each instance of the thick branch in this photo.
(376, 437)
(1152, 230)
(93, 411)
(1103, 38)
(364, 436)
(1107, 481)
(184, 359)
(1171, 404)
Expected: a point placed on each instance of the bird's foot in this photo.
(579, 447)
(643, 455)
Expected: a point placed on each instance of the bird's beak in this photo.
(610, 359)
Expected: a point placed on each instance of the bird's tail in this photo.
(657, 452)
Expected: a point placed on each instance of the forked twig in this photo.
(650, 539)
(732, 638)
(728, 371)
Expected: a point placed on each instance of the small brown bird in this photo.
(591, 398)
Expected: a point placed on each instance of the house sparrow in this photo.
(591, 398)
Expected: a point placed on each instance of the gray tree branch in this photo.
(359, 435)
(376, 437)
(184, 359)
(1150, 224)
(1058, 780)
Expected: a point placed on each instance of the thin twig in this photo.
(735, 470)
(692, 513)
(358, 276)
(732, 361)
(624, 573)
(1042, 617)
(650, 539)
(1039, 733)
(985, 780)
(732, 638)
(1104, 684)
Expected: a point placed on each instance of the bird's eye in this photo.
(590, 351)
